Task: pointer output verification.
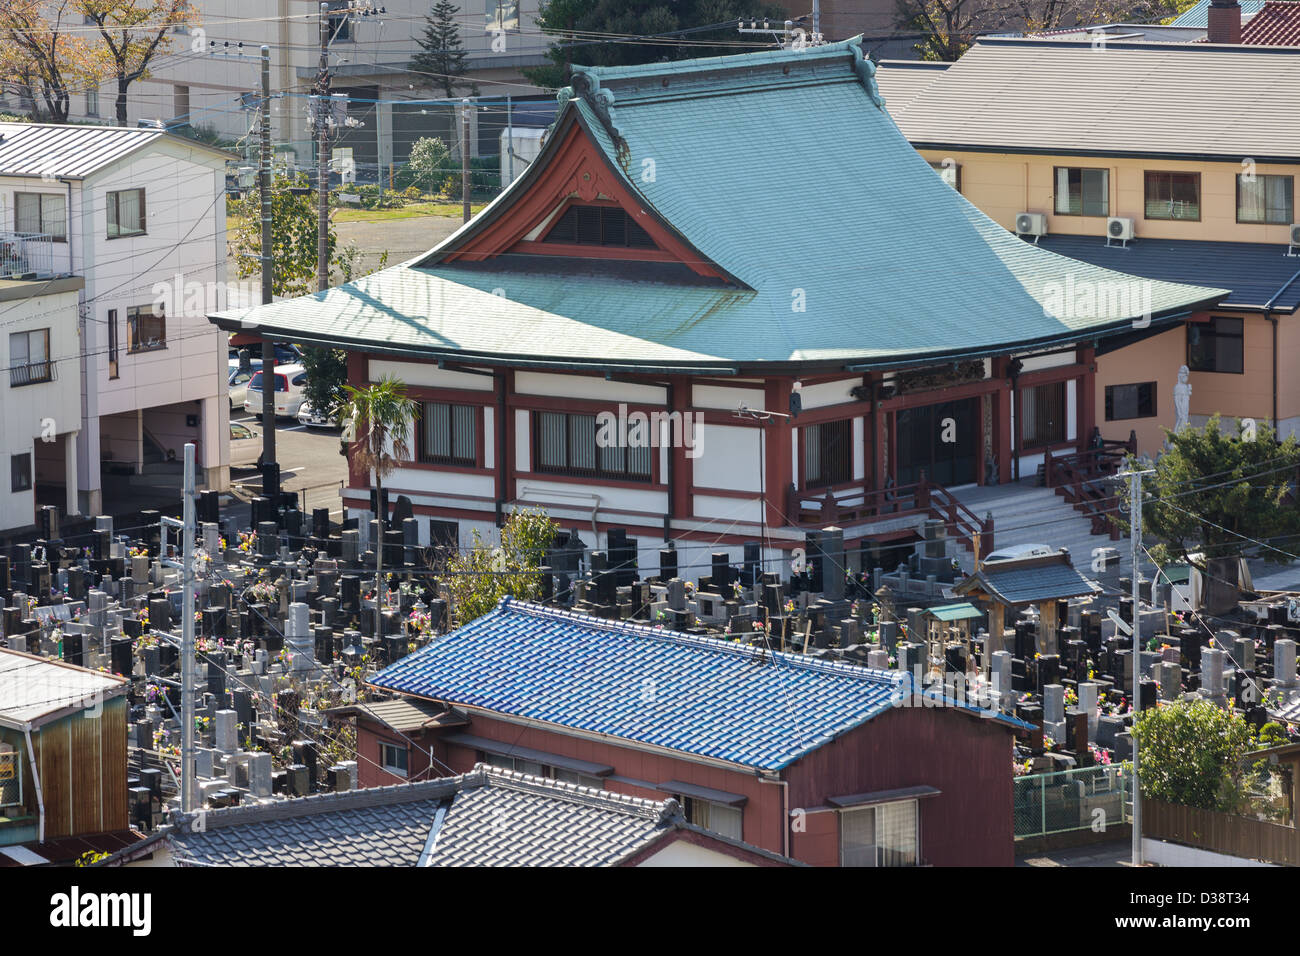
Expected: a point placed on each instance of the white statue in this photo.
(1182, 400)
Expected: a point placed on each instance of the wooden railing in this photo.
(855, 504)
(1227, 833)
(1084, 480)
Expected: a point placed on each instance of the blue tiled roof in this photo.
(697, 695)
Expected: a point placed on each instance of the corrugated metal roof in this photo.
(32, 688)
(74, 152)
(405, 715)
(901, 81)
(1255, 272)
(1168, 99)
(697, 695)
(1199, 15)
(881, 262)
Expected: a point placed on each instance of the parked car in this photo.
(239, 385)
(289, 380)
(243, 442)
(285, 353)
(309, 417)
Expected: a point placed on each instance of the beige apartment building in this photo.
(1168, 161)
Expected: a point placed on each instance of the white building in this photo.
(205, 78)
(139, 215)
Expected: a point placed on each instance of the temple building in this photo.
(727, 303)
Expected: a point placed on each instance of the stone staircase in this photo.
(1024, 513)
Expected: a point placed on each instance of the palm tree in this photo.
(377, 423)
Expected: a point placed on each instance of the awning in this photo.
(500, 749)
(703, 793)
(883, 796)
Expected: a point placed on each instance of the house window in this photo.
(716, 817)
(1268, 199)
(567, 444)
(883, 835)
(43, 214)
(1043, 415)
(340, 26)
(112, 343)
(29, 358)
(949, 172)
(1082, 192)
(393, 759)
(145, 329)
(448, 434)
(1173, 195)
(501, 15)
(827, 453)
(125, 213)
(599, 226)
(1130, 401)
(1216, 346)
(20, 471)
(92, 102)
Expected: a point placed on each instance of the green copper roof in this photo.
(964, 611)
(843, 246)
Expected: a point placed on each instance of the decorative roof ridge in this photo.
(758, 654)
(662, 811)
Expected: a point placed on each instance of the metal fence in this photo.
(26, 255)
(1082, 799)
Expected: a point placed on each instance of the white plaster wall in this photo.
(681, 853)
(428, 375)
(587, 387)
(729, 458)
(726, 397)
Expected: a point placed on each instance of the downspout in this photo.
(1268, 314)
(36, 778)
(785, 811)
(502, 426)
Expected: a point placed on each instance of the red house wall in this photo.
(965, 757)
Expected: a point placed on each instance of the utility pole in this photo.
(323, 154)
(187, 638)
(1135, 540)
(464, 157)
(270, 470)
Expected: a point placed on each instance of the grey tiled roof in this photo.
(488, 817)
(1029, 580)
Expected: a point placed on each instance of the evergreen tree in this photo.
(442, 56)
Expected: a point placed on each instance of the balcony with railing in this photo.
(31, 373)
(26, 255)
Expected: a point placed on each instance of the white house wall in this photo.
(729, 459)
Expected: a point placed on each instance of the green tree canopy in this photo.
(293, 236)
(442, 57)
(1215, 489)
(579, 24)
(481, 576)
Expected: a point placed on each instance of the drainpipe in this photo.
(1268, 314)
(501, 425)
(36, 778)
(785, 811)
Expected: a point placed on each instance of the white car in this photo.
(289, 380)
(308, 416)
(244, 443)
(239, 380)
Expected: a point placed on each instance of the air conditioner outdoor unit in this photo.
(1031, 224)
(1119, 229)
(1294, 248)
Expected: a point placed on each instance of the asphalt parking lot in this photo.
(310, 463)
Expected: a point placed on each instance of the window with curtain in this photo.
(566, 444)
(827, 453)
(715, 817)
(145, 329)
(42, 213)
(1266, 199)
(1082, 192)
(29, 357)
(1043, 419)
(125, 213)
(448, 434)
(1173, 195)
(882, 835)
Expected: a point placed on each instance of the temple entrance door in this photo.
(942, 440)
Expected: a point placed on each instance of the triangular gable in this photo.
(574, 171)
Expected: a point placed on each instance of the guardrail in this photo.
(26, 255)
(1083, 799)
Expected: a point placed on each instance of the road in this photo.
(310, 463)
